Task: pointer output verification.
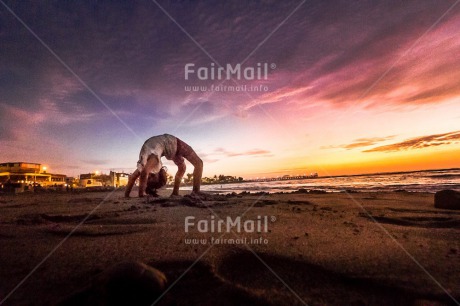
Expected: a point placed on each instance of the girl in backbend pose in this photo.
(173, 149)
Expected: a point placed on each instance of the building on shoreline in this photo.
(96, 179)
(119, 179)
(26, 173)
(22, 176)
(90, 180)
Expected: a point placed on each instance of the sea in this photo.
(418, 181)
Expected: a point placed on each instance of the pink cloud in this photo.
(379, 71)
(359, 143)
(420, 142)
(253, 152)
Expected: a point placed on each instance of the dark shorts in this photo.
(183, 150)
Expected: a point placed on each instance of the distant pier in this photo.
(284, 178)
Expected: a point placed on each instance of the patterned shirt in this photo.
(161, 145)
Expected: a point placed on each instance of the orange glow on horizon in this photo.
(396, 163)
(361, 163)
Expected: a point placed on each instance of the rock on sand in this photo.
(447, 199)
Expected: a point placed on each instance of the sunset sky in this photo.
(352, 86)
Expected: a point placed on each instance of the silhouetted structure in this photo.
(29, 174)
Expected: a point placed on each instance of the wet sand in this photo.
(319, 249)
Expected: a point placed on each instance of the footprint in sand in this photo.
(128, 283)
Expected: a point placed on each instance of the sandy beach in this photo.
(318, 249)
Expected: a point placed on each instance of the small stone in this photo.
(447, 199)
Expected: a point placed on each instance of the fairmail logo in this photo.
(227, 72)
(228, 224)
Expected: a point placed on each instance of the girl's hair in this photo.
(156, 181)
